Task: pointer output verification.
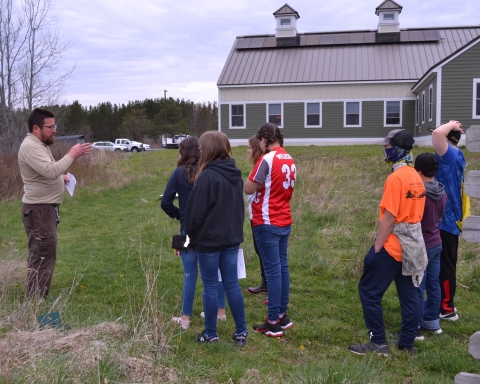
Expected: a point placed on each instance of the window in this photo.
(417, 112)
(275, 114)
(237, 114)
(393, 113)
(476, 99)
(423, 107)
(430, 103)
(388, 17)
(352, 114)
(312, 115)
(284, 21)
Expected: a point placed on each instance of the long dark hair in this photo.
(189, 156)
(271, 133)
(214, 145)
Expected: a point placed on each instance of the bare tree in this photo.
(30, 52)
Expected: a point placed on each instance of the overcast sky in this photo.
(125, 51)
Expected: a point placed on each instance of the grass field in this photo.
(117, 283)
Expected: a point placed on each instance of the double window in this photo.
(476, 99)
(393, 113)
(353, 114)
(237, 116)
(313, 115)
(274, 112)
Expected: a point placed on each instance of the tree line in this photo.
(30, 53)
(145, 120)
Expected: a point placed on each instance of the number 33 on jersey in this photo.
(276, 173)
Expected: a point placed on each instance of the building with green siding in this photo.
(350, 86)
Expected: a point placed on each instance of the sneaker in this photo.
(285, 322)
(219, 318)
(202, 338)
(362, 349)
(240, 340)
(184, 324)
(270, 329)
(419, 336)
(452, 316)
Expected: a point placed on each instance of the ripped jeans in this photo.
(190, 274)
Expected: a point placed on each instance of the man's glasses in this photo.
(52, 127)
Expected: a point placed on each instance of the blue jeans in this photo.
(190, 273)
(429, 318)
(226, 261)
(379, 270)
(272, 242)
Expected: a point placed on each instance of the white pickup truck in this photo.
(130, 145)
(173, 142)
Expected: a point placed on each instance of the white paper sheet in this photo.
(70, 185)
(241, 270)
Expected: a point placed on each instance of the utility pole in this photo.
(165, 107)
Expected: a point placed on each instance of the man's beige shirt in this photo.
(41, 174)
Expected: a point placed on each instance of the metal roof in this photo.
(342, 56)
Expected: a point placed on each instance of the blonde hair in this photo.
(214, 146)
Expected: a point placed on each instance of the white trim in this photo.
(281, 111)
(430, 103)
(476, 97)
(316, 100)
(423, 107)
(219, 112)
(359, 113)
(417, 111)
(385, 114)
(438, 67)
(244, 126)
(305, 113)
(423, 141)
(318, 83)
(438, 114)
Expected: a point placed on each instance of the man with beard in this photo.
(43, 180)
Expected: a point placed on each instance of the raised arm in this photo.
(439, 136)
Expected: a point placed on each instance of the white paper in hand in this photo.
(70, 185)
(241, 270)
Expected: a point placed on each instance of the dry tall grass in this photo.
(131, 349)
(100, 168)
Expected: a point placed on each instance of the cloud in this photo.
(126, 51)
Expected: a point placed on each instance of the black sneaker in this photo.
(240, 340)
(202, 338)
(419, 336)
(270, 329)
(362, 349)
(285, 322)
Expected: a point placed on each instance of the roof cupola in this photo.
(387, 13)
(286, 21)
